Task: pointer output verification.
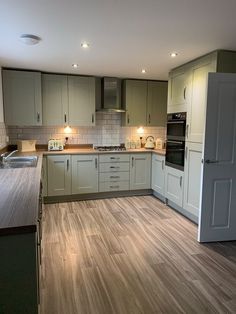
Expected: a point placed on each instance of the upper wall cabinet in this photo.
(22, 98)
(55, 99)
(68, 100)
(145, 103)
(156, 103)
(179, 90)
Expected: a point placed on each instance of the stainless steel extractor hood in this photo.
(110, 95)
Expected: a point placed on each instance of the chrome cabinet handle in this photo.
(187, 128)
(132, 162)
(113, 167)
(185, 92)
(208, 161)
(114, 186)
(114, 177)
(180, 181)
(38, 117)
(186, 152)
(128, 118)
(115, 158)
(149, 118)
(67, 164)
(96, 163)
(162, 164)
(65, 117)
(92, 118)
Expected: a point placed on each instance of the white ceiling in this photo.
(125, 35)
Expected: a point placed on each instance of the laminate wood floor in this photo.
(131, 255)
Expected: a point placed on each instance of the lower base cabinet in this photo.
(158, 174)
(84, 174)
(59, 175)
(140, 171)
(192, 178)
(174, 183)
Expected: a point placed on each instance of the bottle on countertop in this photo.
(132, 144)
(127, 143)
(138, 143)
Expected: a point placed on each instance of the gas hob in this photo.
(110, 148)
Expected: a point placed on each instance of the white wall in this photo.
(1, 98)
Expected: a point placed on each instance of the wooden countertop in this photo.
(19, 194)
(19, 190)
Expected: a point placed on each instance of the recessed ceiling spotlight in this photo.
(75, 65)
(29, 39)
(144, 71)
(84, 44)
(173, 54)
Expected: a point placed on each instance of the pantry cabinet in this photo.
(84, 174)
(174, 183)
(68, 100)
(192, 178)
(22, 98)
(59, 175)
(55, 99)
(158, 174)
(140, 171)
(145, 103)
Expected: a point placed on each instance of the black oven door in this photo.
(175, 154)
(176, 129)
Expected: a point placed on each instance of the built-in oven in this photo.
(175, 151)
(176, 125)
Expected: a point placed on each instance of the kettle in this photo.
(149, 142)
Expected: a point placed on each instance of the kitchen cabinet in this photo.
(156, 103)
(158, 174)
(145, 103)
(84, 174)
(140, 171)
(114, 172)
(179, 89)
(196, 109)
(192, 178)
(22, 98)
(135, 98)
(68, 100)
(44, 177)
(59, 175)
(55, 99)
(174, 182)
(81, 92)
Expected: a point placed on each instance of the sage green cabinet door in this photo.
(192, 178)
(55, 99)
(22, 98)
(59, 175)
(179, 90)
(84, 174)
(140, 171)
(81, 100)
(135, 99)
(174, 183)
(196, 111)
(158, 174)
(156, 103)
(44, 176)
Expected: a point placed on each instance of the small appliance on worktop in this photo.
(55, 144)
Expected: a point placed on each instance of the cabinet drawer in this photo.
(113, 167)
(113, 186)
(110, 176)
(114, 158)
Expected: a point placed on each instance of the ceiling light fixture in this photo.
(173, 54)
(29, 39)
(84, 44)
(144, 71)
(75, 65)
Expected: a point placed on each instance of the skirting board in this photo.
(159, 196)
(182, 211)
(93, 196)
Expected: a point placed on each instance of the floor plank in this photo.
(131, 255)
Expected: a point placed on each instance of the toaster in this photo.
(55, 144)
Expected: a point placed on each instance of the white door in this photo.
(218, 208)
(84, 174)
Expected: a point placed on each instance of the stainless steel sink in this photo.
(19, 162)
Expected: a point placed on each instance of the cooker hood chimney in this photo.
(110, 95)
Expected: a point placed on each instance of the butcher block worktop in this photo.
(19, 195)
